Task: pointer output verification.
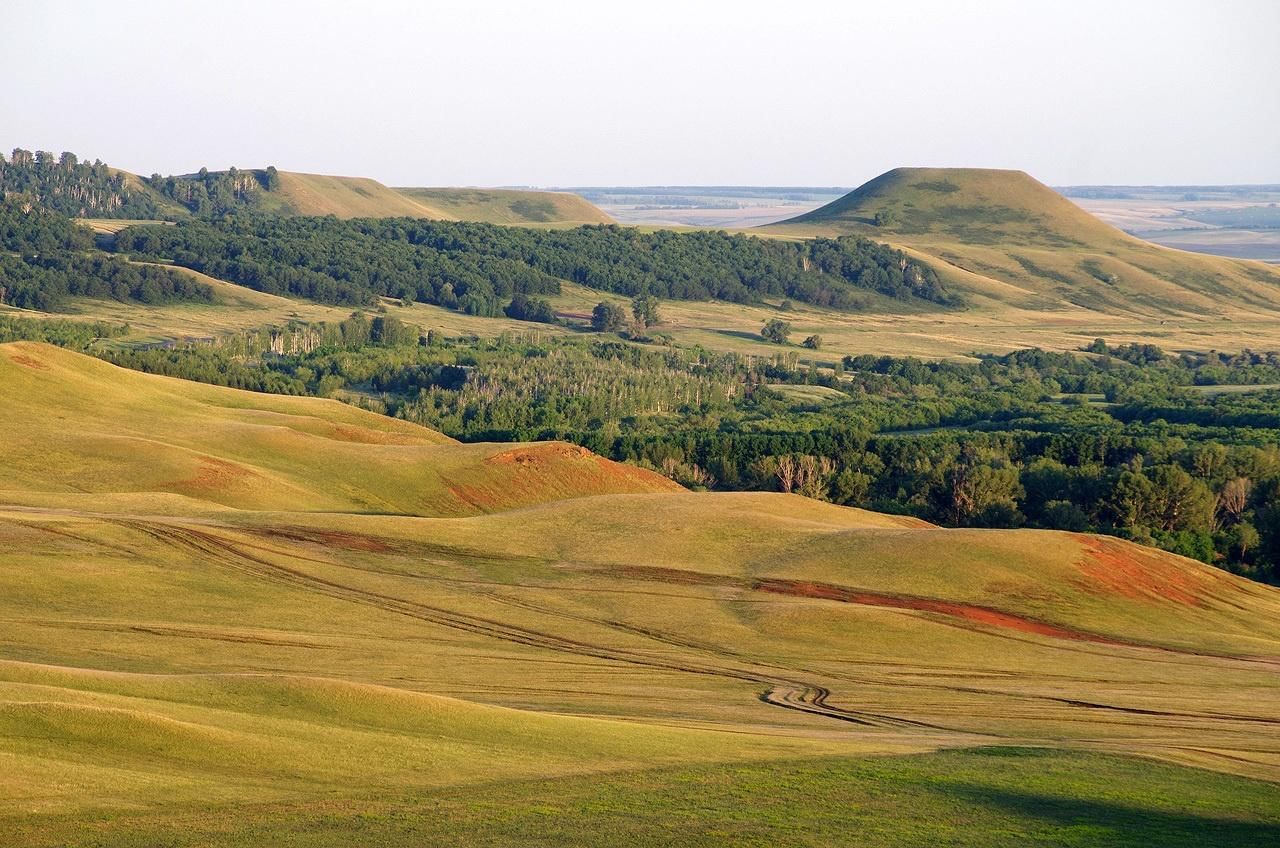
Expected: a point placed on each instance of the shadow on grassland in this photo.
(1076, 821)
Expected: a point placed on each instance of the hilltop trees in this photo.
(72, 187)
(216, 193)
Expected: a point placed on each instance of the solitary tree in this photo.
(813, 342)
(776, 330)
(645, 310)
(608, 317)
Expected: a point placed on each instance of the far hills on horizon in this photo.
(993, 237)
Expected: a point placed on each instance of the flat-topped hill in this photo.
(972, 205)
(509, 206)
(1010, 240)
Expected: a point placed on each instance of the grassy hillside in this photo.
(1013, 241)
(509, 206)
(338, 625)
(252, 451)
(344, 197)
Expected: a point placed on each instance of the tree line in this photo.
(480, 268)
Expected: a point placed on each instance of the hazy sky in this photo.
(551, 92)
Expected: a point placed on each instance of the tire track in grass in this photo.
(780, 691)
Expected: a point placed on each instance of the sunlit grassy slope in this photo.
(75, 424)
(1006, 239)
(345, 197)
(509, 206)
(322, 619)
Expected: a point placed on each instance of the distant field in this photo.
(1234, 221)
(714, 207)
(1033, 268)
(718, 326)
(509, 206)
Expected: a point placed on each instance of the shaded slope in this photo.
(509, 206)
(1010, 240)
(76, 424)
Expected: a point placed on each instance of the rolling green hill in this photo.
(322, 619)
(1014, 242)
(509, 206)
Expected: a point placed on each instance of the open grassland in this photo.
(248, 450)
(987, 797)
(509, 206)
(928, 334)
(350, 628)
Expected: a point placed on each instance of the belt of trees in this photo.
(480, 268)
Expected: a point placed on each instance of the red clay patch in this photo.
(29, 362)
(537, 454)
(217, 474)
(830, 592)
(1115, 568)
(478, 498)
(537, 473)
(970, 612)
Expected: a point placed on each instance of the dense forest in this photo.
(479, 268)
(78, 189)
(46, 258)
(1085, 442)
